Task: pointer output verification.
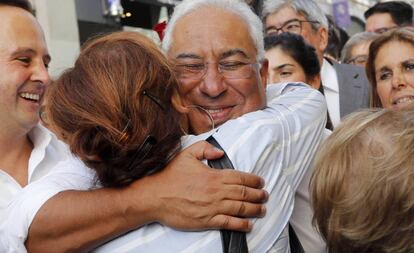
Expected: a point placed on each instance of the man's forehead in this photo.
(21, 32)
(283, 15)
(226, 34)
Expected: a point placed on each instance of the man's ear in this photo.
(264, 72)
(323, 38)
(178, 104)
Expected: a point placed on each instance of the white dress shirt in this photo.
(47, 152)
(277, 143)
(331, 89)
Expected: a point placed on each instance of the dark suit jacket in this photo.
(354, 88)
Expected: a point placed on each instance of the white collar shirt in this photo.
(277, 143)
(331, 90)
(47, 152)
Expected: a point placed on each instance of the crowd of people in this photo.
(114, 155)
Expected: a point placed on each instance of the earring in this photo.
(205, 111)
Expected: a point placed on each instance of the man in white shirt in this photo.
(294, 130)
(29, 152)
(345, 87)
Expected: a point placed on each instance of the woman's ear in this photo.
(315, 81)
(178, 104)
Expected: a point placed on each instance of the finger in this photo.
(242, 178)
(231, 223)
(243, 193)
(242, 209)
(203, 150)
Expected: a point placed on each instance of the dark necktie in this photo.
(329, 124)
(233, 241)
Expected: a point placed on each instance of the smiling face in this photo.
(283, 68)
(223, 42)
(23, 71)
(394, 74)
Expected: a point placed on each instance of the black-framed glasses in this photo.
(290, 26)
(359, 60)
(227, 69)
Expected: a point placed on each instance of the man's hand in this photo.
(189, 195)
(185, 195)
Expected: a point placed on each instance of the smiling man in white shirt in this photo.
(29, 152)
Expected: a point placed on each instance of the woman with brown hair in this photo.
(118, 109)
(390, 69)
(362, 189)
(115, 99)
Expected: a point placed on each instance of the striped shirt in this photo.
(276, 143)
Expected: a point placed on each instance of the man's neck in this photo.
(15, 150)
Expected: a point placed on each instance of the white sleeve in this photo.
(17, 217)
(278, 144)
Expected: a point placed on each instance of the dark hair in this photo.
(404, 34)
(298, 49)
(337, 37)
(401, 12)
(114, 108)
(24, 4)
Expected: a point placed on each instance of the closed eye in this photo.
(191, 67)
(285, 73)
(25, 60)
(231, 65)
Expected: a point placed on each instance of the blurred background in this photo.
(69, 23)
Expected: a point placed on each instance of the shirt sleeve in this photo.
(278, 144)
(17, 217)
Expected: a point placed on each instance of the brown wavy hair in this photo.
(405, 34)
(116, 96)
(363, 184)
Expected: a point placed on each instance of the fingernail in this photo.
(262, 182)
(217, 149)
(263, 211)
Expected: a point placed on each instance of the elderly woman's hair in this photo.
(297, 48)
(362, 187)
(238, 7)
(114, 108)
(356, 39)
(405, 34)
(308, 8)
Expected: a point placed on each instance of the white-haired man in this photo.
(29, 152)
(225, 74)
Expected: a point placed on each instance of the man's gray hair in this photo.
(309, 8)
(356, 39)
(238, 7)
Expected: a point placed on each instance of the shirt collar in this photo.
(329, 77)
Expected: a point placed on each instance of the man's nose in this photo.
(40, 73)
(213, 83)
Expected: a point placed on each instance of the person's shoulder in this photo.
(349, 68)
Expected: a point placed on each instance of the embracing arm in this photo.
(185, 195)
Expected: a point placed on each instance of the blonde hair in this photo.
(363, 184)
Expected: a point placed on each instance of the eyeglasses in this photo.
(358, 60)
(290, 26)
(228, 69)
